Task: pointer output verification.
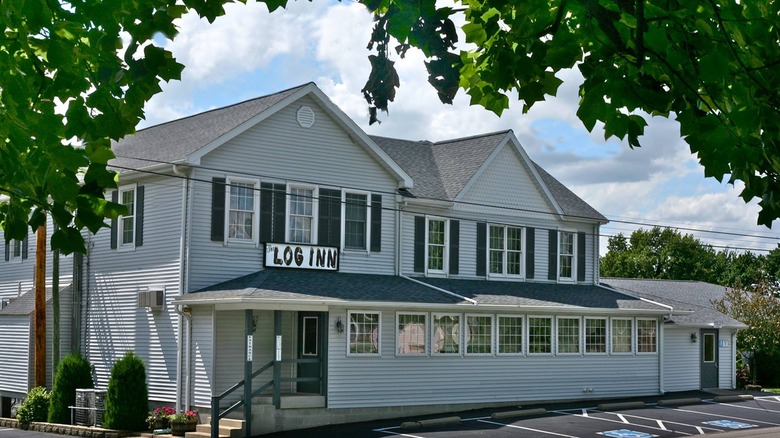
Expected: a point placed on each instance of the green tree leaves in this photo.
(714, 66)
(66, 81)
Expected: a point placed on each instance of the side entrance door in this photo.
(311, 349)
(709, 358)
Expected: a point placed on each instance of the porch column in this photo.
(248, 328)
(278, 359)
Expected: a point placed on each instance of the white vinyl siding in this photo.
(681, 359)
(15, 343)
(113, 323)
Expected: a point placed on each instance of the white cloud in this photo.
(250, 52)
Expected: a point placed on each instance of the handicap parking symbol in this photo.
(625, 433)
(730, 424)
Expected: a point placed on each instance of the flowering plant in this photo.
(160, 415)
(183, 416)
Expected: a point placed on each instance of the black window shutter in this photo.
(454, 246)
(419, 244)
(580, 256)
(139, 216)
(376, 223)
(114, 198)
(279, 211)
(218, 209)
(552, 248)
(329, 217)
(530, 252)
(266, 211)
(25, 247)
(481, 249)
(7, 251)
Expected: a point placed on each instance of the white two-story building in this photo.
(358, 277)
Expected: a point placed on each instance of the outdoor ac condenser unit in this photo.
(151, 298)
(85, 398)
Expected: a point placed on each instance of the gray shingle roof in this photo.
(571, 204)
(303, 285)
(441, 170)
(542, 294)
(25, 304)
(175, 140)
(696, 296)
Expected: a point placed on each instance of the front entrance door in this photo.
(709, 358)
(311, 349)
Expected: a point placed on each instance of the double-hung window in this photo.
(436, 245)
(566, 256)
(622, 335)
(412, 334)
(356, 220)
(364, 333)
(126, 221)
(568, 335)
(539, 335)
(646, 339)
(506, 250)
(302, 211)
(242, 215)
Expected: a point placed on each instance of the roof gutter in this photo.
(472, 301)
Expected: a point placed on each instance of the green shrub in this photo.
(127, 397)
(73, 372)
(35, 407)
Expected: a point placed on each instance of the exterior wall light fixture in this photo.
(694, 338)
(339, 325)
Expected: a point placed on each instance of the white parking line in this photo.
(720, 415)
(385, 430)
(622, 418)
(661, 424)
(527, 428)
(615, 421)
(669, 422)
(745, 407)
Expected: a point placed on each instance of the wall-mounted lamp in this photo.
(339, 325)
(254, 324)
(694, 338)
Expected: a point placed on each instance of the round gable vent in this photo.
(305, 117)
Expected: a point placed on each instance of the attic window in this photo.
(305, 117)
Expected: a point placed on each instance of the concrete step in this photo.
(228, 428)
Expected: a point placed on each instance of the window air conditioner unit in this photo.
(151, 298)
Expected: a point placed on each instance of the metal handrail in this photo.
(216, 414)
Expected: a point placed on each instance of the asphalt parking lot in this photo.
(629, 419)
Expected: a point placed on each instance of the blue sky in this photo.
(250, 53)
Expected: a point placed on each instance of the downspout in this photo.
(398, 218)
(182, 347)
(596, 256)
(445, 291)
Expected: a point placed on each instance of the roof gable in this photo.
(188, 139)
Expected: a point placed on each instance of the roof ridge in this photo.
(472, 137)
(179, 119)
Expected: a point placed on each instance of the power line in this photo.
(393, 193)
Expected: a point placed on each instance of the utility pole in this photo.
(40, 307)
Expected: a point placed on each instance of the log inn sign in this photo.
(282, 255)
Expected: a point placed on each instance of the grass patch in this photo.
(775, 390)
